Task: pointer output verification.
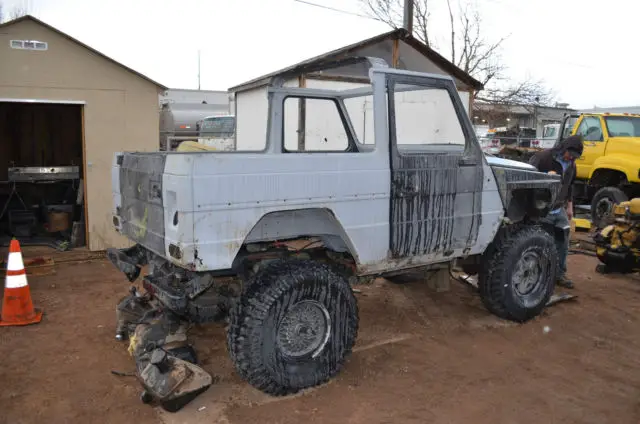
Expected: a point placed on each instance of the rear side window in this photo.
(623, 126)
(314, 125)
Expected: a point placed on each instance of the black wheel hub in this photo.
(604, 207)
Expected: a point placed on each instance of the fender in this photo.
(288, 224)
(629, 166)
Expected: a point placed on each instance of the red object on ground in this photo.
(17, 306)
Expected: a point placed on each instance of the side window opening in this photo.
(360, 110)
(590, 129)
(425, 117)
(314, 125)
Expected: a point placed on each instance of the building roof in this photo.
(516, 108)
(400, 34)
(68, 37)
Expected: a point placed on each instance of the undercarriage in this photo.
(156, 319)
(291, 315)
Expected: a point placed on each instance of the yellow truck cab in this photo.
(608, 171)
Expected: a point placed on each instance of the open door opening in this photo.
(41, 174)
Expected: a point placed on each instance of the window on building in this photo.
(28, 45)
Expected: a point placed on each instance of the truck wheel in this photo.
(293, 327)
(602, 204)
(519, 273)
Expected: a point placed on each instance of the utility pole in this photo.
(407, 22)
(198, 69)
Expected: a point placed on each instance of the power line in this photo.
(346, 12)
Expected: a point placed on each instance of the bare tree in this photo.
(470, 50)
(391, 12)
(15, 12)
(18, 12)
(526, 92)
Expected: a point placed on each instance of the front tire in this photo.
(294, 326)
(519, 273)
(603, 202)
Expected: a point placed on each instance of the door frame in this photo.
(82, 105)
(469, 155)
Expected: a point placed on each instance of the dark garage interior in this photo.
(41, 181)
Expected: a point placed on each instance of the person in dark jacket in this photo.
(560, 160)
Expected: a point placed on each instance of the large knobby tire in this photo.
(519, 273)
(602, 204)
(293, 327)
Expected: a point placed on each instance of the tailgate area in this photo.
(137, 194)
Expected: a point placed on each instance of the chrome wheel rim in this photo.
(304, 330)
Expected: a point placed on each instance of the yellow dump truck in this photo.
(608, 172)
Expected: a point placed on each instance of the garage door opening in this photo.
(41, 174)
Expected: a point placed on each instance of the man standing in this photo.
(560, 160)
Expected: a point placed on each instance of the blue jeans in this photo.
(560, 222)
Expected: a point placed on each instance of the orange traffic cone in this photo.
(17, 307)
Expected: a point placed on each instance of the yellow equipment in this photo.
(618, 244)
(194, 146)
(582, 223)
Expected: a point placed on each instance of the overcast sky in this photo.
(581, 49)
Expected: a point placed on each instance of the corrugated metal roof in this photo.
(70, 38)
(344, 52)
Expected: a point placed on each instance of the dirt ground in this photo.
(420, 357)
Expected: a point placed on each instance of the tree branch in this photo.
(470, 50)
(453, 33)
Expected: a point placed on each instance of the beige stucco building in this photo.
(56, 91)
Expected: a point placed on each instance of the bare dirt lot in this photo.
(420, 357)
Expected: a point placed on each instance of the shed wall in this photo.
(120, 112)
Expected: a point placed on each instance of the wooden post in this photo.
(395, 53)
(87, 238)
(440, 282)
(302, 115)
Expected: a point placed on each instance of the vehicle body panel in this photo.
(206, 205)
(604, 151)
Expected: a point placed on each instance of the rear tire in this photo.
(293, 327)
(519, 274)
(602, 204)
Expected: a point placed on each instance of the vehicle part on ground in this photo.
(603, 203)
(294, 327)
(520, 274)
(618, 244)
(276, 238)
(560, 297)
(166, 364)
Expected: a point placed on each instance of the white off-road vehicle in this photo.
(272, 240)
